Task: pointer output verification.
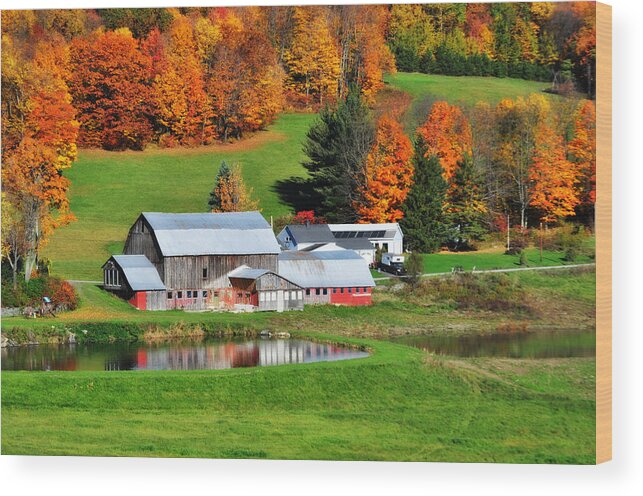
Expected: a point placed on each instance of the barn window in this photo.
(325, 291)
(341, 290)
(301, 295)
(169, 295)
(205, 294)
(273, 295)
(350, 290)
(261, 297)
(179, 294)
(308, 292)
(318, 291)
(189, 294)
(205, 272)
(286, 295)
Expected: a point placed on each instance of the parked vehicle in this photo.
(393, 264)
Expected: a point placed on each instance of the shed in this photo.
(264, 290)
(136, 279)
(334, 276)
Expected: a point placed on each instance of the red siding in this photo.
(363, 297)
(139, 300)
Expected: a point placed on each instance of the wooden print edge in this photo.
(603, 233)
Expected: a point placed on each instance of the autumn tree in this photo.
(182, 105)
(312, 62)
(389, 174)
(110, 84)
(517, 123)
(582, 151)
(244, 82)
(424, 222)
(337, 146)
(40, 147)
(360, 32)
(553, 191)
(447, 135)
(465, 208)
(230, 193)
(14, 238)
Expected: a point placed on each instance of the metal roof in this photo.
(245, 272)
(232, 233)
(325, 269)
(355, 244)
(141, 275)
(310, 233)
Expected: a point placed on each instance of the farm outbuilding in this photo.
(135, 279)
(313, 237)
(329, 277)
(265, 290)
(387, 237)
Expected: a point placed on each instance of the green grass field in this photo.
(461, 90)
(398, 404)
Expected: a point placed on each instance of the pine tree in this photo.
(337, 147)
(466, 209)
(424, 220)
(214, 203)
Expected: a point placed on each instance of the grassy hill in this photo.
(462, 90)
(109, 189)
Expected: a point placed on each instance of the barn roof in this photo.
(318, 269)
(141, 275)
(245, 272)
(232, 233)
(310, 233)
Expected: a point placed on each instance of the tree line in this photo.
(467, 172)
(541, 41)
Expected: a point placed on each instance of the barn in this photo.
(339, 276)
(387, 237)
(228, 261)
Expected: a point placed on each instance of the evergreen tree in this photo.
(466, 208)
(424, 223)
(214, 203)
(337, 147)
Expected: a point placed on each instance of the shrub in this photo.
(62, 294)
(519, 240)
(414, 266)
(494, 292)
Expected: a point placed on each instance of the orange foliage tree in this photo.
(244, 80)
(389, 174)
(582, 150)
(447, 135)
(553, 178)
(111, 88)
(230, 193)
(182, 105)
(312, 61)
(41, 147)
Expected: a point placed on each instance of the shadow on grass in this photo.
(298, 193)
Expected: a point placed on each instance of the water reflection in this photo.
(558, 344)
(205, 355)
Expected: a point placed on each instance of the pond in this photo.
(542, 344)
(179, 355)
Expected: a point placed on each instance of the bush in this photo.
(62, 294)
(519, 240)
(494, 292)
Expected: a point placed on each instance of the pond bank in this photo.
(106, 332)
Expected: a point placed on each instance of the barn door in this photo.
(280, 300)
